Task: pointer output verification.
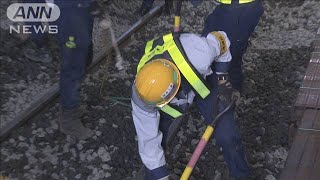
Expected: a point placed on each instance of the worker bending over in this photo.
(75, 41)
(175, 71)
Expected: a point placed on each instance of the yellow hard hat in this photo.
(158, 82)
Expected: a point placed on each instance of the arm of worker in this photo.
(146, 119)
(220, 43)
(203, 51)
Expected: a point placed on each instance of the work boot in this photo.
(71, 124)
(38, 55)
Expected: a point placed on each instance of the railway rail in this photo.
(53, 92)
(303, 162)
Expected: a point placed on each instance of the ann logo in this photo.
(33, 12)
(39, 13)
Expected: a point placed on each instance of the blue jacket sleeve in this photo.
(157, 173)
(222, 67)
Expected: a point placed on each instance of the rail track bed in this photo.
(274, 69)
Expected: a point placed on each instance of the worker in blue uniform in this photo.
(75, 41)
(238, 18)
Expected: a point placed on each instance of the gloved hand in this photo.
(225, 91)
(235, 96)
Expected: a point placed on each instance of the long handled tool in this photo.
(202, 143)
(177, 18)
(105, 24)
(175, 125)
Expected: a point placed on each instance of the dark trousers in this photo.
(74, 22)
(147, 3)
(226, 134)
(238, 21)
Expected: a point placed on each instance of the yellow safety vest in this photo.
(229, 1)
(169, 47)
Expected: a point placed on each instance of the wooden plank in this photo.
(302, 98)
(316, 168)
(309, 75)
(303, 159)
(316, 82)
(294, 157)
(296, 120)
(308, 119)
(309, 94)
(315, 56)
(313, 98)
(305, 168)
(303, 162)
(316, 124)
(316, 45)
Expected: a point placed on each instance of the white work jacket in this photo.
(201, 52)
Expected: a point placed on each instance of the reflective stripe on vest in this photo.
(149, 52)
(171, 111)
(229, 1)
(148, 47)
(170, 46)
